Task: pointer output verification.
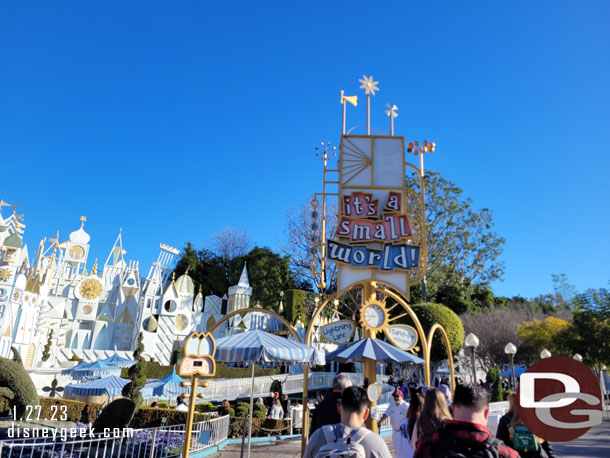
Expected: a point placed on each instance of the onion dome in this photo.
(185, 285)
(80, 237)
(13, 241)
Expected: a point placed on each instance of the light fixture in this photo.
(545, 354)
(472, 340)
(510, 349)
(578, 357)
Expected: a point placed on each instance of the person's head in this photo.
(471, 404)
(397, 396)
(445, 390)
(341, 382)
(225, 403)
(180, 400)
(354, 406)
(285, 397)
(434, 412)
(277, 402)
(415, 407)
(154, 405)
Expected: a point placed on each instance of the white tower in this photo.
(240, 294)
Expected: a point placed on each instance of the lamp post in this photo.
(511, 349)
(578, 357)
(473, 342)
(545, 354)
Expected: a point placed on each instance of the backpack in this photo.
(524, 440)
(342, 446)
(461, 447)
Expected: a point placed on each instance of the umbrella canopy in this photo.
(79, 366)
(109, 386)
(118, 361)
(96, 369)
(373, 349)
(260, 347)
(165, 387)
(518, 371)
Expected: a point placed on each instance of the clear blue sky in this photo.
(173, 120)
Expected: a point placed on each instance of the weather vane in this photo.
(353, 99)
(369, 87)
(392, 112)
(82, 220)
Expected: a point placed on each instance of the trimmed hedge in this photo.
(205, 407)
(17, 382)
(295, 305)
(429, 313)
(84, 412)
(147, 417)
(260, 427)
(117, 414)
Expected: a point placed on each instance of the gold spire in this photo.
(82, 220)
(200, 289)
(94, 270)
(173, 276)
(187, 270)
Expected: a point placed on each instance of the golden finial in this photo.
(186, 272)
(369, 87)
(82, 220)
(173, 276)
(14, 209)
(200, 289)
(94, 270)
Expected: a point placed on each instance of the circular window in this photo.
(76, 252)
(87, 309)
(2, 292)
(181, 322)
(131, 281)
(150, 324)
(170, 306)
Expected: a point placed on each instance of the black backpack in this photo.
(460, 447)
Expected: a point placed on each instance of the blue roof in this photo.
(166, 386)
(109, 386)
(373, 349)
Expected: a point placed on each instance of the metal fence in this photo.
(162, 442)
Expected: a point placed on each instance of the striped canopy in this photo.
(109, 386)
(165, 387)
(372, 349)
(261, 347)
(79, 366)
(118, 361)
(94, 370)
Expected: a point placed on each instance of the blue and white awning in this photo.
(79, 366)
(372, 349)
(118, 361)
(108, 386)
(261, 347)
(165, 387)
(95, 370)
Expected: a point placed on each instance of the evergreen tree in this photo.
(16, 356)
(137, 375)
(46, 352)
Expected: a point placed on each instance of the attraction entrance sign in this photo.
(379, 242)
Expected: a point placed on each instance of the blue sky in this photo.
(173, 120)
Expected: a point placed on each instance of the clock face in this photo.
(76, 252)
(374, 316)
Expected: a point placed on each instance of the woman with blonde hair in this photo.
(433, 415)
(525, 442)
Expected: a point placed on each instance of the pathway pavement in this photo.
(596, 443)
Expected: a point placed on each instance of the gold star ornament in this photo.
(369, 85)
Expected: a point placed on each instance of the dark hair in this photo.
(354, 399)
(434, 413)
(415, 408)
(154, 404)
(471, 395)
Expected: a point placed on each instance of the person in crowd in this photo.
(326, 412)
(405, 448)
(277, 413)
(397, 413)
(466, 433)
(286, 405)
(269, 402)
(223, 408)
(154, 405)
(446, 391)
(525, 442)
(434, 414)
(181, 405)
(349, 432)
(502, 432)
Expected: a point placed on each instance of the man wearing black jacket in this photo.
(326, 413)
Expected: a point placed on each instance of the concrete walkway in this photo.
(596, 443)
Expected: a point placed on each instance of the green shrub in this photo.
(17, 385)
(493, 378)
(428, 314)
(46, 352)
(259, 425)
(147, 417)
(163, 405)
(16, 356)
(205, 407)
(85, 412)
(75, 358)
(117, 414)
(231, 412)
(295, 305)
(260, 411)
(137, 375)
(5, 407)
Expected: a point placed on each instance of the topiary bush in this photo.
(137, 375)
(206, 407)
(260, 411)
(17, 385)
(84, 412)
(429, 313)
(46, 352)
(147, 417)
(117, 414)
(493, 378)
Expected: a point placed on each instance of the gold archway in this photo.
(261, 310)
(437, 327)
(368, 288)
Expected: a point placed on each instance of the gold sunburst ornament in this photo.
(5, 274)
(374, 316)
(91, 288)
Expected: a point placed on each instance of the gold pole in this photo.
(189, 418)
(369, 366)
